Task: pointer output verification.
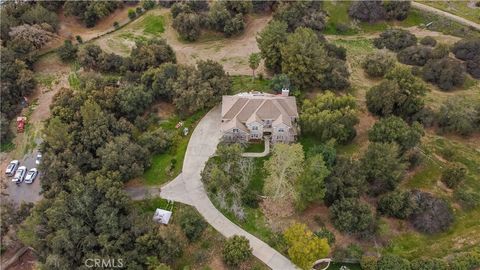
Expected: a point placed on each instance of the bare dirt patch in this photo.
(232, 52)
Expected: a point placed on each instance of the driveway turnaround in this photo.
(188, 188)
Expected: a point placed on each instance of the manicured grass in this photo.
(255, 147)
(158, 172)
(153, 24)
(459, 8)
(245, 84)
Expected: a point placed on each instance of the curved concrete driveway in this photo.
(437, 11)
(188, 188)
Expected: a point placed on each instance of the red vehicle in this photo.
(21, 121)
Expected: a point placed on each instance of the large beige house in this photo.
(256, 116)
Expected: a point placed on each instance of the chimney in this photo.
(285, 92)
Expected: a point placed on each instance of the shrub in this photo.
(79, 39)
(132, 14)
(148, 4)
(446, 73)
(393, 262)
(301, 14)
(454, 174)
(465, 261)
(67, 51)
(325, 233)
(192, 224)
(428, 41)
(368, 263)
(377, 64)
(433, 215)
(467, 197)
(188, 26)
(116, 25)
(467, 49)
(395, 40)
(397, 10)
(415, 55)
(397, 204)
(353, 216)
(367, 11)
(139, 11)
(459, 115)
(236, 250)
(429, 264)
(473, 67)
(440, 51)
(179, 8)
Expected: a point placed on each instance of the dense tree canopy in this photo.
(400, 94)
(345, 181)
(304, 59)
(367, 11)
(383, 167)
(187, 25)
(330, 117)
(297, 14)
(394, 129)
(353, 217)
(284, 169)
(270, 40)
(399, 204)
(90, 11)
(311, 184)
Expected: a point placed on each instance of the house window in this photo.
(279, 137)
(280, 130)
(254, 128)
(235, 130)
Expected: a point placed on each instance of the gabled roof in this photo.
(244, 108)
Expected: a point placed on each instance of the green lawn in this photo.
(158, 172)
(245, 83)
(255, 147)
(153, 24)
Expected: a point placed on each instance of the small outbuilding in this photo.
(162, 216)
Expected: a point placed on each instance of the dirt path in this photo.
(445, 14)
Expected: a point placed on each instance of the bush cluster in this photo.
(395, 40)
(377, 64)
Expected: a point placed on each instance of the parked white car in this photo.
(12, 168)
(31, 175)
(20, 174)
(39, 158)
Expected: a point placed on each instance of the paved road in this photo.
(445, 14)
(188, 188)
